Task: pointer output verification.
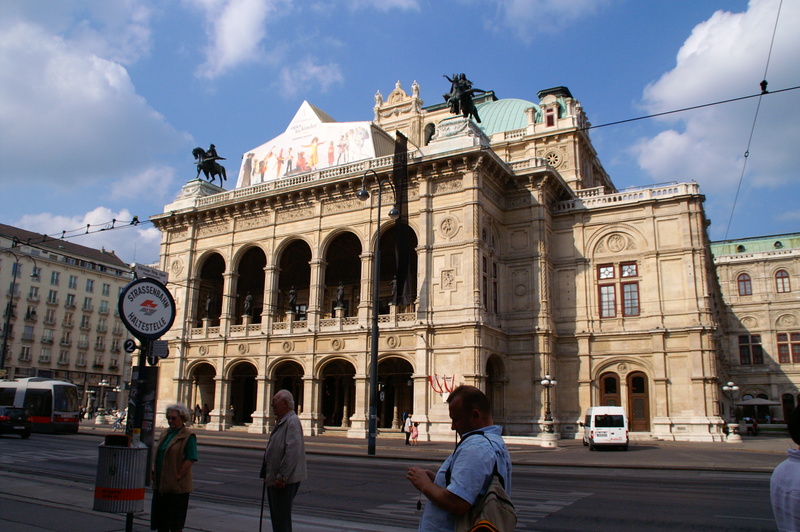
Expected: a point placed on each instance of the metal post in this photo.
(376, 285)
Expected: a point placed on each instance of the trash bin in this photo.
(121, 470)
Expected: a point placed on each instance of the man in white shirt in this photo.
(784, 485)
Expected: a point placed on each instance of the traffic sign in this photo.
(146, 308)
(161, 348)
(142, 271)
(129, 345)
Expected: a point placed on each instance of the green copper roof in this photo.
(756, 244)
(504, 115)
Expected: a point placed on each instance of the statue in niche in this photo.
(340, 295)
(248, 304)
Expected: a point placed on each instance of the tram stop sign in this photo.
(146, 308)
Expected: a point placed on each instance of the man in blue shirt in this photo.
(467, 473)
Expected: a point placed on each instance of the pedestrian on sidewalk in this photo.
(414, 434)
(407, 428)
(176, 453)
(467, 473)
(784, 486)
(284, 464)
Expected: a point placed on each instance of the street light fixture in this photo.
(394, 214)
(103, 384)
(548, 382)
(730, 390)
(11, 295)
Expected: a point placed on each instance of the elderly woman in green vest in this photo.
(176, 452)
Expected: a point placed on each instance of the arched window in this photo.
(745, 285)
(782, 282)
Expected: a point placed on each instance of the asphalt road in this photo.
(373, 492)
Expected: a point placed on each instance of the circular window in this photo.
(553, 158)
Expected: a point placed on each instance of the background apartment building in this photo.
(60, 316)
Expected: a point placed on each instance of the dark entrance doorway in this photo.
(243, 393)
(338, 393)
(638, 402)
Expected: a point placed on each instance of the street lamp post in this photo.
(10, 307)
(394, 214)
(549, 438)
(101, 408)
(730, 389)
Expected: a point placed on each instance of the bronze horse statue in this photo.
(209, 166)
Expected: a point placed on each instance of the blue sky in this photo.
(102, 102)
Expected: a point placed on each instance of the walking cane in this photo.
(263, 491)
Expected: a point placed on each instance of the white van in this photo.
(605, 426)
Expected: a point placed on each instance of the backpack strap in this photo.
(448, 473)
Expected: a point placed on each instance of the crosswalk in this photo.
(532, 505)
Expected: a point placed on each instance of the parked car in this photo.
(14, 420)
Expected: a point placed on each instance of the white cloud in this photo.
(130, 243)
(299, 77)
(67, 114)
(525, 17)
(158, 181)
(385, 5)
(235, 30)
(725, 57)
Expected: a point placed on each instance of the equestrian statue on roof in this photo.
(460, 97)
(206, 162)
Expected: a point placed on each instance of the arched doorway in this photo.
(343, 266)
(243, 392)
(338, 394)
(398, 277)
(209, 292)
(251, 282)
(288, 375)
(609, 390)
(495, 386)
(396, 387)
(638, 402)
(295, 277)
(202, 378)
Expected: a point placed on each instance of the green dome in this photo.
(504, 115)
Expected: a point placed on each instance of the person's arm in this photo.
(422, 479)
(184, 468)
(189, 456)
(291, 453)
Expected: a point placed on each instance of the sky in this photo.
(101, 103)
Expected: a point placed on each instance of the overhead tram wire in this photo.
(755, 119)
(701, 106)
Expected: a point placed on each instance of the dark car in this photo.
(14, 421)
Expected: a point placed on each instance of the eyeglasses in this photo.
(171, 418)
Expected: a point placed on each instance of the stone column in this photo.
(220, 410)
(310, 417)
(270, 307)
(316, 293)
(229, 301)
(359, 418)
(262, 411)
